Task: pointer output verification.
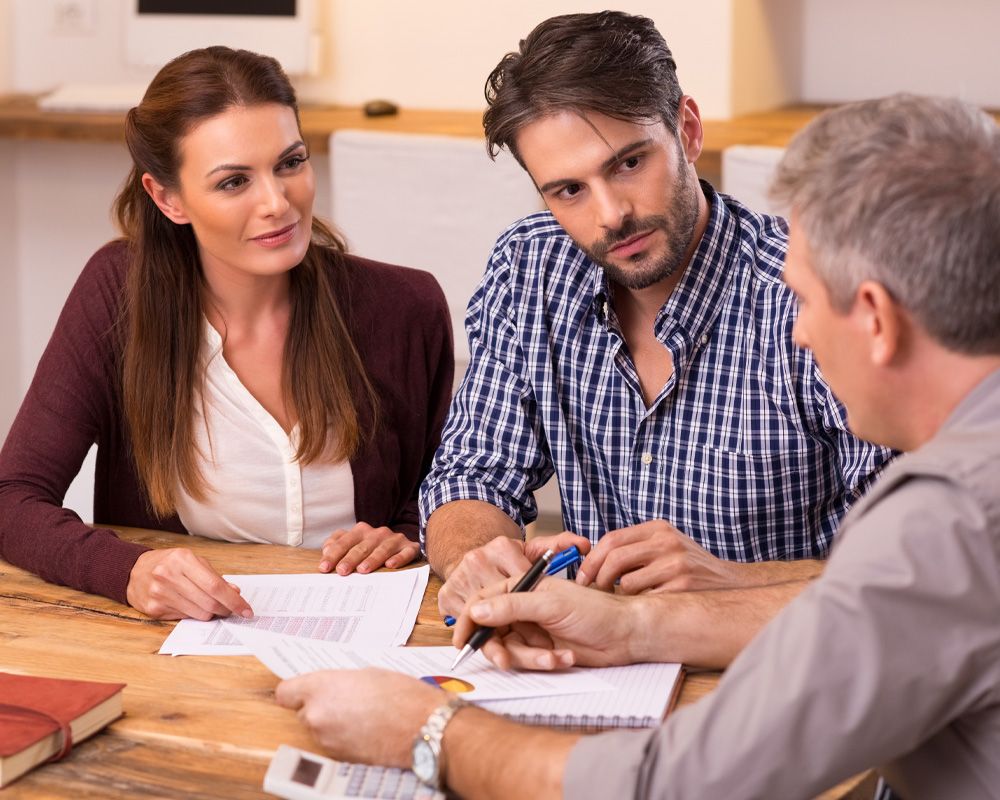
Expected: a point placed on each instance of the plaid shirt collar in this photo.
(693, 307)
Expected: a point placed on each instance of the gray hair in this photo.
(905, 191)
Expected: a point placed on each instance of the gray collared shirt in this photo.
(890, 659)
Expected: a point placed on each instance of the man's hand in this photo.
(655, 557)
(557, 625)
(174, 583)
(497, 560)
(370, 716)
(365, 549)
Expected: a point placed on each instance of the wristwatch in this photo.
(426, 751)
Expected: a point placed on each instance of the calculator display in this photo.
(306, 771)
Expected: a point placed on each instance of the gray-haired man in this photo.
(891, 657)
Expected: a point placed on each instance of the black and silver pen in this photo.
(482, 634)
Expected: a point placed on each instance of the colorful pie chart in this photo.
(449, 684)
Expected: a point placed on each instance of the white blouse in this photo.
(256, 490)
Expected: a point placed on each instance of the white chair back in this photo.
(433, 202)
(747, 171)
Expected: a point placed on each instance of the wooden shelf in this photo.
(20, 118)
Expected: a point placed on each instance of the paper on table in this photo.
(286, 657)
(374, 610)
(640, 698)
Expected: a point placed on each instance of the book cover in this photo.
(41, 718)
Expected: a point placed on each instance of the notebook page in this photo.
(641, 690)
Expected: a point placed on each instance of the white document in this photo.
(640, 698)
(375, 610)
(476, 679)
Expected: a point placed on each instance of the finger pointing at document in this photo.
(174, 583)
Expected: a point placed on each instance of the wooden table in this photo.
(195, 727)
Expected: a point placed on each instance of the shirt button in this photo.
(704, 339)
(647, 458)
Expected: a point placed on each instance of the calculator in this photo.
(298, 775)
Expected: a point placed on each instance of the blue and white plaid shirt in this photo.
(745, 450)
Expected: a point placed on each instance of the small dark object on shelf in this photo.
(380, 108)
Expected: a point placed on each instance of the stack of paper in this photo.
(633, 696)
(376, 610)
(476, 680)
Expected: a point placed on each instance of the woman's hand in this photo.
(174, 583)
(365, 549)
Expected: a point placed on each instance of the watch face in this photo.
(424, 761)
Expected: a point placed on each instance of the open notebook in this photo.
(642, 696)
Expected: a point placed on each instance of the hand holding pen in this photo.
(546, 564)
(560, 624)
(567, 559)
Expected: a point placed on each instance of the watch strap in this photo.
(432, 732)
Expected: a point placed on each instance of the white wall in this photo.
(11, 386)
(62, 216)
(45, 57)
(733, 55)
(422, 55)
(766, 46)
(859, 48)
(437, 55)
(6, 45)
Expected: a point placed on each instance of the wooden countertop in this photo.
(20, 118)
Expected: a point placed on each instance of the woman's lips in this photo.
(276, 238)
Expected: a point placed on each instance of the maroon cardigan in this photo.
(399, 321)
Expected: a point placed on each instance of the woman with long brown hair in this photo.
(244, 378)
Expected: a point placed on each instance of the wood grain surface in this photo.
(194, 726)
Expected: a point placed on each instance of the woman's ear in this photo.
(166, 200)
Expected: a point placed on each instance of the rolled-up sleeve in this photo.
(492, 448)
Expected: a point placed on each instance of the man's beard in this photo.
(678, 229)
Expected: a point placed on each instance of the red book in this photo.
(41, 718)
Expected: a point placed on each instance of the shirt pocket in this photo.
(762, 506)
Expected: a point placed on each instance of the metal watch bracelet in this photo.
(427, 761)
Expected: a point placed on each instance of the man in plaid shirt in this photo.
(635, 340)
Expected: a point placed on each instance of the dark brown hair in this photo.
(611, 63)
(323, 378)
